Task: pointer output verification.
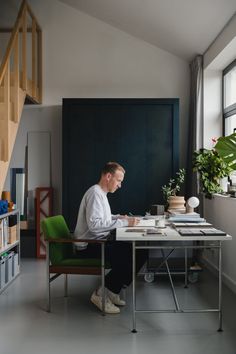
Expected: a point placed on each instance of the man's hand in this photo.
(132, 221)
(123, 217)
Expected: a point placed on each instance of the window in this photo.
(229, 99)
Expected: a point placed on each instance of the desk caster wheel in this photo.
(193, 277)
(149, 277)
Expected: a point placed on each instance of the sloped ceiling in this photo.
(182, 27)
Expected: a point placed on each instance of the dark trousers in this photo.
(119, 256)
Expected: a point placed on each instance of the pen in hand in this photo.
(132, 220)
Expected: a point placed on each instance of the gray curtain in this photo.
(195, 140)
(195, 136)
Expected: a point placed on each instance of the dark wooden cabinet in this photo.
(140, 134)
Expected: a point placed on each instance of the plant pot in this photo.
(176, 203)
(224, 184)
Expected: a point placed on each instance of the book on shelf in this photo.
(4, 233)
(1, 234)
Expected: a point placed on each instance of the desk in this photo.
(170, 235)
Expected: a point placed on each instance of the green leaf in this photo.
(226, 148)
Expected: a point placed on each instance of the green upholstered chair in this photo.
(62, 260)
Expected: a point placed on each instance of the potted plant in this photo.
(211, 168)
(226, 148)
(171, 190)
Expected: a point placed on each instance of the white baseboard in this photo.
(228, 281)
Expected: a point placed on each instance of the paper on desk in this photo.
(145, 223)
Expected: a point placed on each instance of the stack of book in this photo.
(186, 218)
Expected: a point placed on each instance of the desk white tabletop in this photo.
(138, 233)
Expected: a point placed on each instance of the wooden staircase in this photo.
(20, 80)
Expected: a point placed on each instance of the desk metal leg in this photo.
(220, 287)
(48, 278)
(103, 276)
(65, 285)
(185, 267)
(171, 282)
(134, 287)
(177, 309)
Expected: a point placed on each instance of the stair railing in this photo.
(20, 70)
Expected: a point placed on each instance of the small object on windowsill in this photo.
(231, 188)
(225, 194)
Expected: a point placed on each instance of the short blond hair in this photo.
(112, 167)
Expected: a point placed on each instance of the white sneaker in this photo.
(109, 306)
(115, 298)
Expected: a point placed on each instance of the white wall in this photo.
(84, 57)
(219, 55)
(220, 211)
(40, 119)
(212, 106)
(220, 44)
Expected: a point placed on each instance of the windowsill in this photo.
(224, 196)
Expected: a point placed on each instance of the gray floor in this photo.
(76, 326)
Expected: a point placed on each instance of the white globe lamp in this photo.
(192, 203)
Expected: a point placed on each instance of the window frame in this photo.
(230, 110)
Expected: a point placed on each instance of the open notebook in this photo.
(145, 222)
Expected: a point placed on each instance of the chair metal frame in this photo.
(57, 270)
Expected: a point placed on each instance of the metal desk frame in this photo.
(172, 235)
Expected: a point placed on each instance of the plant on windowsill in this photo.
(226, 148)
(211, 168)
(171, 190)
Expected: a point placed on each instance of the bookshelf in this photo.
(9, 248)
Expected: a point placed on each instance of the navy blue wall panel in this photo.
(140, 134)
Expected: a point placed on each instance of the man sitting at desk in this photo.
(95, 220)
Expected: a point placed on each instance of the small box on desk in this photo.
(12, 234)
